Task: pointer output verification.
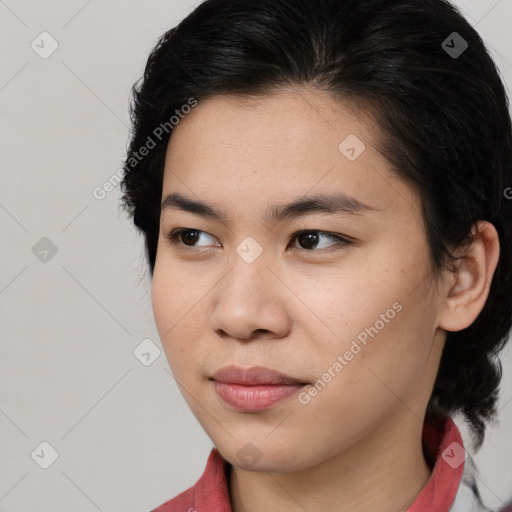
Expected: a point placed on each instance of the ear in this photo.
(468, 287)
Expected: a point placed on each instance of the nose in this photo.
(251, 303)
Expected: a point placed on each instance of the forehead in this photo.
(286, 144)
(301, 121)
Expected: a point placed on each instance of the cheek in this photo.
(338, 305)
(376, 317)
(169, 300)
(385, 360)
(174, 296)
(179, 301)
(163, 299)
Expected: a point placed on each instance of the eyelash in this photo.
(174, 235)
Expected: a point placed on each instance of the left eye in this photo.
(307, 239)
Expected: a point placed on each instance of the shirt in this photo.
(451, 487)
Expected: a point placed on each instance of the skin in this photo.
(357, 444)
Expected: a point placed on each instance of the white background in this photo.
(125, 438)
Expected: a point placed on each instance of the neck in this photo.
(384, 471)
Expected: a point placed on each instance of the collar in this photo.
(442, 444)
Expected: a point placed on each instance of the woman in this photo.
(322, 188)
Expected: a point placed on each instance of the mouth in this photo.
(254, 389)
(254, 376)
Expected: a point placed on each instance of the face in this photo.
(335, 296)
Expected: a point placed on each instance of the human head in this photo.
(443, 125)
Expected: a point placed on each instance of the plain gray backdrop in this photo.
(74, 289)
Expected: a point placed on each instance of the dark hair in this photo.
(443, 119)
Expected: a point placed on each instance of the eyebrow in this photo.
(337, 203)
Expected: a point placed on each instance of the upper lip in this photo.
(253, 376)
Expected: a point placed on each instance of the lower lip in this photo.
(254, 398)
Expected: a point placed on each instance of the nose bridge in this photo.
(249, 276)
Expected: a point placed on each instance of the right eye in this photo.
(186, 237)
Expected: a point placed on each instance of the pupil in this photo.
(308, 238)
(192, 238)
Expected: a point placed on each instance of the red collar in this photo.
(211, 491)
(441, 437)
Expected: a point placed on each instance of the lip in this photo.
(253, 376)
(254, 389)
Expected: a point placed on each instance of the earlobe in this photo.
(471, 281)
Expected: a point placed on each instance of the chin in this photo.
(262, 455)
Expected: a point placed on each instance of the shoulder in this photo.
(182, 502)
(210, 492)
